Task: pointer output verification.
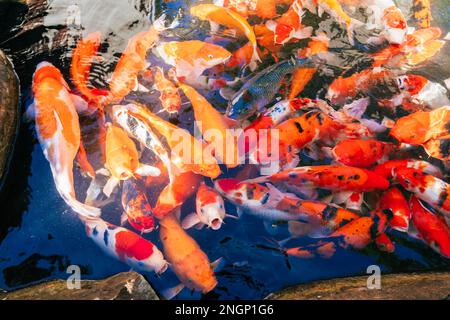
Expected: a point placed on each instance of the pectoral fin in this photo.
(190, 221)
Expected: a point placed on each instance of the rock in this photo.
(123, 286)
(415, 286)
(9, 111)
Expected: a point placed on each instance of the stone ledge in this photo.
(122, 286)
(413, 286)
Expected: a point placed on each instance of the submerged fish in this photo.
(58, 131)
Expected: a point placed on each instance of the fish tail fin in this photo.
(255, 59)
(160, 23)
(81, 208)
(172, 292)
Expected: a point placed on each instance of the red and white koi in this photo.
(394, 200)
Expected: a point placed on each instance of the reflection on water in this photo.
(40, 237)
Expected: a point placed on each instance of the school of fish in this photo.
(346, 161)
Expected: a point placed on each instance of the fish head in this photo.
(47, 70)
(240, 107)
(213, 213)
(171, 100)
(412, 129)
(395, 25)
(242, 193)
(210, 55)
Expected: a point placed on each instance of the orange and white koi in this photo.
(187, 153)
(215, 128)
(122, 158)
(431, 228)
(356, 234)
(330, 177)
(210, 209)
(428, 129)
(360, 153)
(394, 200)
(186, 258)
(126, 246)
(294, 135)
(192, 58)
(137, 209)
(289, 26)
(58, 131)
(270, 204)
(387, 169)
(85, 53)
(180, 188)
(124, 78)
(432, 190)
(169, 94)
(231, 19)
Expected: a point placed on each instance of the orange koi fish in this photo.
(243, 56)
(426, 128)
(180, 188)
(170, 97)
(302, 76)
(422, 13)
(294, 135)
(192, 58)
(210, 210)
(431, 228)
(426, 187)
(126, 246)
(188, 153)
(186, 258)
(356, 234)
(387, 169)
(289, 26)
(58, 131)
(137, 209)
(360, 153)
(231, 19)
(83, 56)
(394, 200)
(335, 178)
(124, 78)
(214, 127)
(122, 158)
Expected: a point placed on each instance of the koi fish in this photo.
(289, 26)
(365, 82)
(180, 188)
(260, 90)
(124, 78)
(192, 58)
(122, 159)
(387, 169)
(231, 19)
(58, 131)
(426, 128)
(270, 204)
(422, 13)
(170, 97)
(294, 135)
(394, 200)
(242, 56)
(331, 177)
(356, 234)
(187, 153)
(186, 258)
(426, 187)
(214, 127)
(302, 76)
(126, 246)
(83, 56)
(431, 228)
(360, 153)
(137, 209)
(210, 209)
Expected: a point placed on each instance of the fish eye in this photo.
(210, 56)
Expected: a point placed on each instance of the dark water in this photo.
(40, 236)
